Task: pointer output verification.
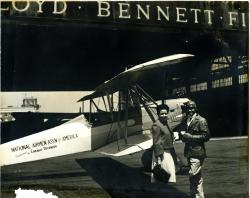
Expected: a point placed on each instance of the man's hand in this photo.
(160, 159)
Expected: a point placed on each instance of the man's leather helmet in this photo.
(191, 105)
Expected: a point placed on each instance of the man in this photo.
(197, 133)
(163, 143)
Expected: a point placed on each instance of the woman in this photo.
(163, 143)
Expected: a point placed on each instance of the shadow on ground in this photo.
(123, 181)
(16, 177)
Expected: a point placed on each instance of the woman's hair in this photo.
(160, 107)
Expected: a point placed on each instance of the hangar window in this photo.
(178, 90)
(222, 62)
(198, 87)
(243, 78)
(224, 82)
(216, 83)
(243, 62)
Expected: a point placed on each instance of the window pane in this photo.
(243, 78)
(224, 82)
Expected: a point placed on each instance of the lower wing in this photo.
(135, 143)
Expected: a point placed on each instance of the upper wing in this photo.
(131, 75)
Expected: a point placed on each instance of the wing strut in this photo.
(125, 129)
(90, 110)
(110, 107)
(104, 103)
(96, 106)
(143, 99)
(119, 120)
(146, 95)
(126, 116)
(110, 101)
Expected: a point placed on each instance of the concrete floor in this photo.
(89, 174)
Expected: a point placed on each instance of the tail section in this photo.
(71, 137)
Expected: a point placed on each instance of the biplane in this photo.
(117, 123)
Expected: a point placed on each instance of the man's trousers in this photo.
(195, 178)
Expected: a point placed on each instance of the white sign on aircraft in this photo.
(70, 137)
